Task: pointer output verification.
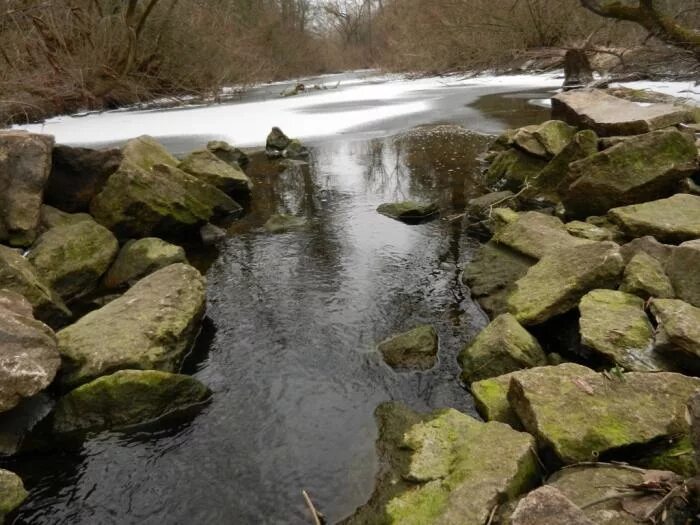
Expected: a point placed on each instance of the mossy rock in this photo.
(491, 400)
(415, 349)
(544, 140)
(678, 327)
(281, 223)
(207, 167)
(682, 269)
(50, 217)
(73, 257)
(502, 347)
(409, 211)
(645, 277)
(146, 152)
(12, 493)
(228, 153)
(150, 327)
(126, 398)
(560, 279)
(511, 168)
(580, 415)
(142, 257)
(586, 230)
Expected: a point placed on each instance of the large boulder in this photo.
(142, 257)
(673, 220)
(579, 415)
(678, 327)
(12, 493)
(409, 211)
(163, 201)
(25, 164)
(492, 275)
(615, 326)
(682, 268)
(415, 349)
(609, 116)
(536, 234)
(544, 140)
(445, 468)
(547, 505)
(207, 167)
(502, 347)
(636, 170)
(72, 258)
(645, 277)
(146, 152)
(126, 398)
(17, 274)
(29, 356)
(560, 279)
(511, 168)
(150, 327)
(77, 175)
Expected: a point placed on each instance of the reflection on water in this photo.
(289, 349)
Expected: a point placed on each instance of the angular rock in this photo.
(480, 207)
(126, 398)
(163, 202)
(25, 164)
(281, 223)
(545, 140)
(445, 468)
(557, 282)
(72, 258)
(548, 505)
(77, 175)
(50, 217)
(585, 230)
(502, 347)
(211, 234)
(12, 493)
(209, 168)
(511, 168)
(295, 150)
(645, 277)
(145, 152)
(491, 400)
(150, 327)
(606, 224)
(409, 211)
(139, 258)
(682, 268)
(415, 349)
(228, 153)
(648, 245)
(615, 326)
(673, 220)
(536, 234)
(580, 415)
(609, 116)
(492, 275)
(637, 170)
(678, 326)
(277, 140)
(18, 275)
(29, 356)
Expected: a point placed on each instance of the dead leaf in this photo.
(583, 385)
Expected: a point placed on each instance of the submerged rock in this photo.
(126, 398)
(609, 116)
(673, 220)
(547, 505)
(12, 493)
(645, 277)
(511, 168)
(77, 175)
(25, 164)
(415, 349)
(142, 257)
(560, 279)
(445, 467)
(580, 415)
(615, 325)
(503, 346)
(229, 154)
(29, 356)
(207, 167)
(682, 268)
(281, 223)
(636, 170)
(409, 211)
(150, 327)
(544, 140)
(17, 274)
(73, 257)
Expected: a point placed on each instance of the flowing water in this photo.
(288, 346)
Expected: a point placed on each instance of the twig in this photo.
(661, 504)
(316, 515)
(492, 515)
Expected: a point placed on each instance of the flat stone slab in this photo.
(610, 116)
(673, 220)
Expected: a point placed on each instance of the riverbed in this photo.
(288, 345)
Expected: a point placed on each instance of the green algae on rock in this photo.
(126, 398)
(146, 152)
(579, 414)
(408, 211)
(645, 277)
(557, 282)
(139, 258)
(682, 268)
(491, 400)
(281, 223)
(445, 467)
(586, 230)
(547, 505)
(12, 493)
(511, 168)
(544, 140)
(502, 347)
(72, 257)
(150, 327)
(415, 349)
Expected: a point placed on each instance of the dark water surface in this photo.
(288, 345)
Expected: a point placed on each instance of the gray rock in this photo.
(648, 245)
(544, 140)
(547, 505)
(277, 140)
(228, 153)
(209, 168)
(211, 234)
(25, 164)
(50, 217)
(682, 268)
(645, 277)
(480, 208)
(409, 211)
(589, 231)
(12, 493)
(142, 257)
(415, 349)
(678, 326)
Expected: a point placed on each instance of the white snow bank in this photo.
(319, 113)
(686, 90)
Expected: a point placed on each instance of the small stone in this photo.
(229, 154)
(409, 211)
(416, 349)
(211, 234)
(547, 505)
(277, 140)
(12, 493)
(645, 277)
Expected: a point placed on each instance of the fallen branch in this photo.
(319, 519)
